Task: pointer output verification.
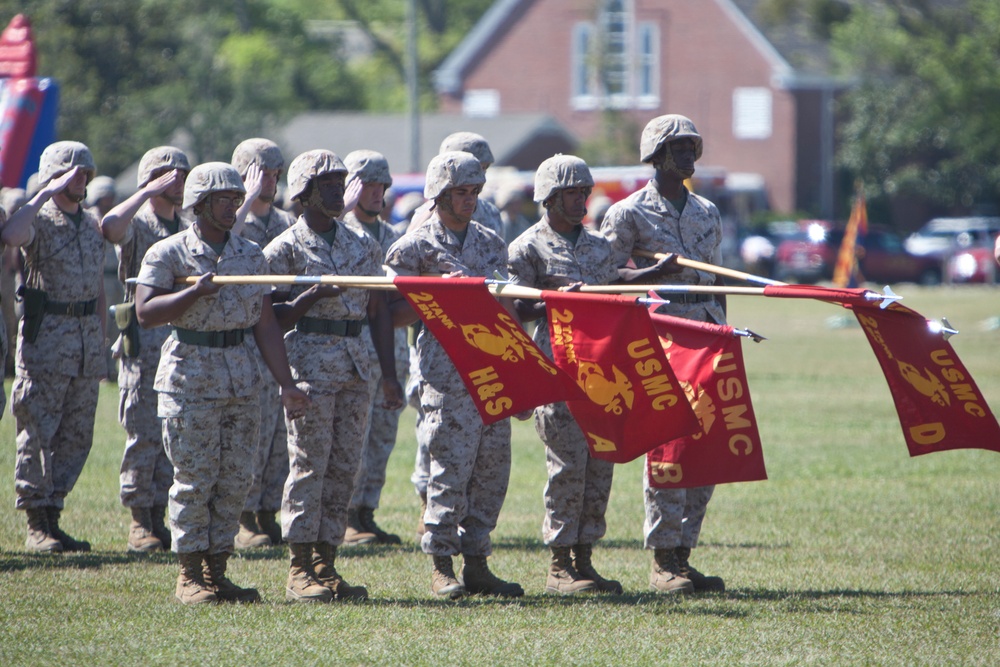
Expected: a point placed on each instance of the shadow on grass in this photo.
(93, 560)
(666, 604)
(758, 595)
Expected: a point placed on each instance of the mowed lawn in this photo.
(851, 553)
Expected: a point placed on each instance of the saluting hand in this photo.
(352, 194)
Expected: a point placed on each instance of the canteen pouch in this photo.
(128, 325)
(33, 305)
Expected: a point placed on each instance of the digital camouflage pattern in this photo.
(470, 142)
(469, 464)
(558, 172)
(60, 157)
(198, 370)
(146, 473)
(451, 170)
(576, 494)
(263, 230)
(159, 158)
(324, 447)
(308, 166)
(208, 396)
(383, 424)
(262, 152)
(211, 445)
(646, 220)
(208, 178)
(664, 129)
(54, 396)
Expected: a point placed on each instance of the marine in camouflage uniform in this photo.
(558, 253)
(372, 170)
(469, 461)
(487, 215)
(330, 362)
(664, 217)
(208, 379)
(263, 223)
(60, 365)
(149, 215)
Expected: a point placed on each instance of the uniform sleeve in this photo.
(403, 257)
(618, 229)
(276, 255)
(157, 269)
(520, 264)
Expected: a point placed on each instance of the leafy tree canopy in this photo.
(135, 73)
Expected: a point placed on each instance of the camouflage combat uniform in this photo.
(324, 446)
(208, 396)
(576, 495)
(146, 473)
(271, 465)
(487, 215)
(54, 397)
(383, 424)
(469, 462)
(647, 221)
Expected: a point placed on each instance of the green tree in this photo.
(923, 120)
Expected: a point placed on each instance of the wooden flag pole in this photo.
(711, 268)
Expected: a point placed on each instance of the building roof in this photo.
(799, 58)
(518, 140)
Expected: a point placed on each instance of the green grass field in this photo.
(851, 553)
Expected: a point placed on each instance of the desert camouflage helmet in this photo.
(161, 157)
(470, 142)
(558, 172)
(664, 129)
(99, 188)
(60, 157)
(262, 152)
(308, 166)
(208, 178)
(451, 170)
(369, 166)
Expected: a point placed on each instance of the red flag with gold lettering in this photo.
(607, 344)
(937, 401)
(501, 366)
(708, 360)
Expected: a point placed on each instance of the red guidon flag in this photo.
(708, 360)
(501, 366)
(938, 403)
(607, 344)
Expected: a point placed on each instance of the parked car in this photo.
(972, 265)
(882, 259)
(941, 237)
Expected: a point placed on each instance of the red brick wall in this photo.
(703, 55)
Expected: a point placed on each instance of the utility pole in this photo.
(413, 86)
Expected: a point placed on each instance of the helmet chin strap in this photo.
(558, 207)
(370, 214)
(444, 203)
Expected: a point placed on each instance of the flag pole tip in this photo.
(888, 297)
(755, 337)
(942, 327)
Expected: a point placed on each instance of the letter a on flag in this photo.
(501, 366)
(708, 360)
(607, 344)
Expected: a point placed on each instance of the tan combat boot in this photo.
(478, 580)
(701, 582)
(68, 543)
(140, 532)
(225, 590)
(421, 528)
(356, 533)
(581, 561)
(191, 586)
(40, 538)
(666, 574)
(563, 578)
(444, 583)
(366, 515)
(269, 525)
(159, 525)
(324, 557)
(250, 536)
(303, 586)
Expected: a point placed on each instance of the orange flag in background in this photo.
(501, 366)
(608, 345)
(708, 361)
(846, 272)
